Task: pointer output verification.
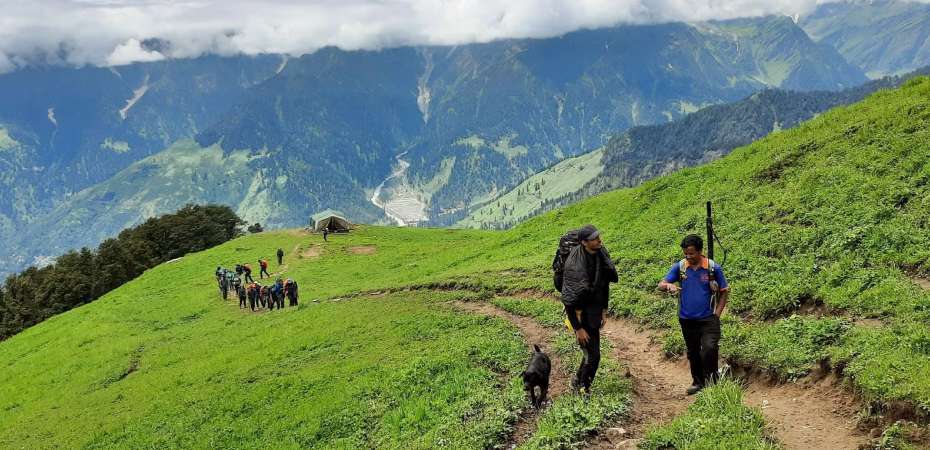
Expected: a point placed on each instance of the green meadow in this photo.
(826, 230)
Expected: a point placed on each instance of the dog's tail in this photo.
(536, 347)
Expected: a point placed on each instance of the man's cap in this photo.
(588, 232)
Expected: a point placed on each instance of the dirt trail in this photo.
(658, 383)
(533, 333)
(808, 415)
(922, 282)
(801, 416)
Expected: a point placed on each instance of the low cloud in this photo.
(131, 51)
(115, 32)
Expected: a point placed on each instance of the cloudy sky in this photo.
(115, 32)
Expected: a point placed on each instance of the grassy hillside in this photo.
(537, 191)
(830, 217)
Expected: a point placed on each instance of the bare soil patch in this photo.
(533, 333)
(312, 252)
(922, 282)
(363, 250)
(808, 414)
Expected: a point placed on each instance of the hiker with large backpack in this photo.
(290, 291)
(252, 294)
(277, 291)
(268, 298)
(240, 291)
(264, 269)
(702, 297)
(231, 280)
(224, 285)
(582, 272)
(247, 271)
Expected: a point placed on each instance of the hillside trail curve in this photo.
(803, 415)
(810, 413)
(533, 333)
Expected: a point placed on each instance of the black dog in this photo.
(537, 374)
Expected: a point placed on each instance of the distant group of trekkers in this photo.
(582, 271)
(253, 295)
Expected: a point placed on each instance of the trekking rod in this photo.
(712, 237)
(710, 232)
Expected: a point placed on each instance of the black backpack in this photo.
(567, 242)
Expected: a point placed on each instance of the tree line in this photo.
(82, 276)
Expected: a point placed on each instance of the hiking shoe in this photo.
(693, 389)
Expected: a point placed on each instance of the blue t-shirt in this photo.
(695, 290)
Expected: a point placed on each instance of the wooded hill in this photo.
(82, 276)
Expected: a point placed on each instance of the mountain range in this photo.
(645, 152)
(410, 135)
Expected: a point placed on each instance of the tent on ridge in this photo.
(331, 220)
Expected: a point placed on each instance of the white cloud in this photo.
(111, 32)
(131, 51)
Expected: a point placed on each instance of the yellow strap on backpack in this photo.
(568, 323)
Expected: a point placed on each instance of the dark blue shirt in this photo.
(695, 289)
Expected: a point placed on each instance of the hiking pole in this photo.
(712, 237)
(710, 232)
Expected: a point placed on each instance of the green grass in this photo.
(548, 312)
(717, 419)
(571, 418)
(160, 365)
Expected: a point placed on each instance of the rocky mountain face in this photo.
(427, 133)
(64, 130)
(646, 152)
(881, 37)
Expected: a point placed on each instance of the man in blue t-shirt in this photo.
(702, 282)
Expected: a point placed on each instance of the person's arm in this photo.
(573, 318)
(721, 302)
(723, 293)
(667, 283)
(609, 265)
